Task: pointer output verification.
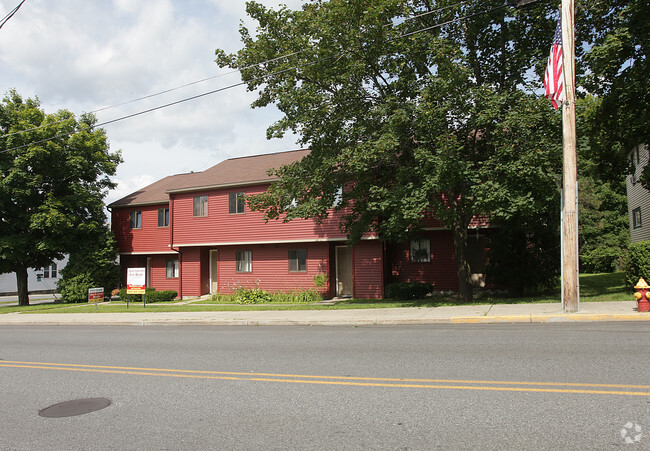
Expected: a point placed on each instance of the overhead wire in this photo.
(221, 75)
(11, 13)
(243, 82)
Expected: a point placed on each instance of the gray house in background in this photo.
(638, 198)
(41, 280)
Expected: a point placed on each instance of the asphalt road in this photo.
(522, 386)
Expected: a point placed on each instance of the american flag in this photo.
(554, 78)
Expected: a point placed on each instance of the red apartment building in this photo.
(195, 234)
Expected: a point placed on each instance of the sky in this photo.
(84, 55)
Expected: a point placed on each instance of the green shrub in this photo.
(637, 263)
(135, 297)
(252, 296)
(257, 296)
(161, 296)
(75, 289)
(320, 280)
(222, 298)
(296, 297)
(408, 290)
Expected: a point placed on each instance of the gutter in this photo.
(178, 251)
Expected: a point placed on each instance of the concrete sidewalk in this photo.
(498, 313)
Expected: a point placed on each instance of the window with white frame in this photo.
(50, 271)
(420, 251)
(172, 268)
(636, 218)
(135, 219)
(163, 217)
(200, 206)
(297, 260)
(244, 261)
(236, 203)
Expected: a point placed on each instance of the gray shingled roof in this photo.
(232, 172)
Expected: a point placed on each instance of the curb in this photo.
(511, 319)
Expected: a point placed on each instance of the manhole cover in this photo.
(75, 407)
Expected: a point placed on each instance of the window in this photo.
(636, 218)
(172, 268)
(236, 203)
(420, 251)
(135, 219)
(163, 217)
(50, 271)
(200, 206)
(297, 260)
(244, 261)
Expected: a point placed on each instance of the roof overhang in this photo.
(221, 185)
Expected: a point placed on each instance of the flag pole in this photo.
(570, 293)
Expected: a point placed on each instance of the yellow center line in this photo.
(449, 384)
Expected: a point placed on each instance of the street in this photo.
(507, 386)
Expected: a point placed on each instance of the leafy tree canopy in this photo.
(409, 115)
(54, 174)
(616, 68)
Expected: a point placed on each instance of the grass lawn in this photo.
(593, 288)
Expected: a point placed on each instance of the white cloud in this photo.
(80, 56)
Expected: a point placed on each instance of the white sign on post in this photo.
(136, 280)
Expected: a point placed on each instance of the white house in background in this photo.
(638, 198)
(42, 280)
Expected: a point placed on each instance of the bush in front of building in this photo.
(75, 288)
(637, 263)
(162, 296)
(408, 290)
(258, 296)
(252, 296)
(91, 265)
(297, 297)
(151, 294)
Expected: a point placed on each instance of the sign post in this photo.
(95, 295)
(135, 282)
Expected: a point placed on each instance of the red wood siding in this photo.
(221, 227)
(159, 279)
(150, 238)
(440, 271)
(270, 269)
(191, 271)
(368, 270)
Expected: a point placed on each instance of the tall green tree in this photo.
(413, 106)
(615, 70)
(54, 174)
(92, 264)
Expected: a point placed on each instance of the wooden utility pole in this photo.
(570, 293)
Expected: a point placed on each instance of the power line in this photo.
(221, 75)
(158, 93)
(230, 86)
(6, 18)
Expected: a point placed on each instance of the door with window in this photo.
(344, 271)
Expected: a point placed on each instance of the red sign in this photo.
(95, 295)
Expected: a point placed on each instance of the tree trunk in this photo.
(465, 292)
(21, 285)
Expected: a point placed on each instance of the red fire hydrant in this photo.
(642, 295)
